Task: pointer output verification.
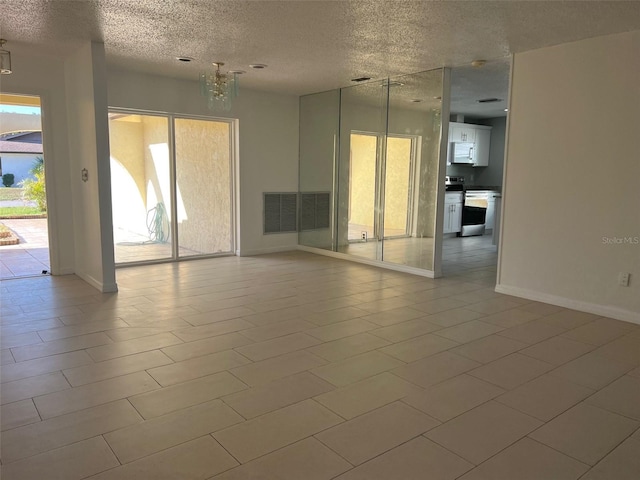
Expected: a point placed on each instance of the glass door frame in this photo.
(233, 187)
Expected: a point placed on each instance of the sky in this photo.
(19, 109)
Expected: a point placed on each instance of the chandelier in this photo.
(5, 59)
(219, 88)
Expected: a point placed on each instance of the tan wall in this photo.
(203, 178)
(362, 189)
(12, 122)
(396, 194)
(125, 141)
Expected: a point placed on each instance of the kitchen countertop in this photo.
(483, 187)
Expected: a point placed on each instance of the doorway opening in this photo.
(24, 236)
(172, 186)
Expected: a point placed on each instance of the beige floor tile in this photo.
(348, 347)
(406, 330)
(129, 333)
(6, 357)
(114, 368)
(356, 368)
(220, 328)
(393, 316)
(528, 460)
(367, 395)
(17, 414)
(20, 340)
(73, 462)
(439, 305)
(217, 315)
(625, 349)
(482, 432)
(33, 387)
(532, 332)
(545, 397)
(456, 316)
(129, 347)
(93, 394)
(66, 429)
(622, 397)
(635, 372)
(334, 316)
(418, 459)
(274, 430)
(569, 319)
(510, 371)
(419, 347)
(184, 395)
(469, 331)
(453, 397)
(206, 346)
(621, 464)
(585, 432)
(493, 305)
(435, 369)
(40, 366)
(557, 350)
(160, 433)
(541, 308)
(385, 304)
(59, 346)
(511, 318)
(592, 370)
(308, 459)
(263, 399)
(266, 371)
(267, 332)
(339, 330)
(373, 433)
(488, 349)
(277, 346)
(198, 459)
(81, 329)
(197, 367)
(599, 332)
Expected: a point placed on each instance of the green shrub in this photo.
(8, 179)
(35, 190)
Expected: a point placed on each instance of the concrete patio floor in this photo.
(31, 256)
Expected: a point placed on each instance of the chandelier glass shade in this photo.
(5, 59)
(219, 88)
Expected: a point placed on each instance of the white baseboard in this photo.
(595, 308)
(376, 263)
(264, 251)
(102, 287)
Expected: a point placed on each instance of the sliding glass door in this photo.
(172, 186)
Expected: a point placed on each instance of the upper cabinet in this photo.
(479, 135)
(483, 143)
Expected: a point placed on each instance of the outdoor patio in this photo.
(29, 257)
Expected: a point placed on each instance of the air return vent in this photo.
(489, 100)
(280, 212)
(314, 210)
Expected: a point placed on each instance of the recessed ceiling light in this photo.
(416, 100)
(185, 59)
(506, 109)
(258, 66)
(360, 79)
(236, 72)
(478, 63)
(438, 97)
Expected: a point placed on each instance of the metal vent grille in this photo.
(280, 212)
(314, 210)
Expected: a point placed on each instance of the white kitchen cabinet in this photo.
(452, 212)
(483, 143)
(462, 132)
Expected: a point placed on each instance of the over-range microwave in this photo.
(462, 152)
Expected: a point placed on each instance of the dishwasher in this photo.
(474, 212)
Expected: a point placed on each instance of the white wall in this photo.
(38, 73)
(85, 74)
(572, 176)
(268, 142)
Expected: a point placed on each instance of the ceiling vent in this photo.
(360, 79)
(489, 100)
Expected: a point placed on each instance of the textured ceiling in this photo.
(309, 46)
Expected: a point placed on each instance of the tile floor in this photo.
(297, 366)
